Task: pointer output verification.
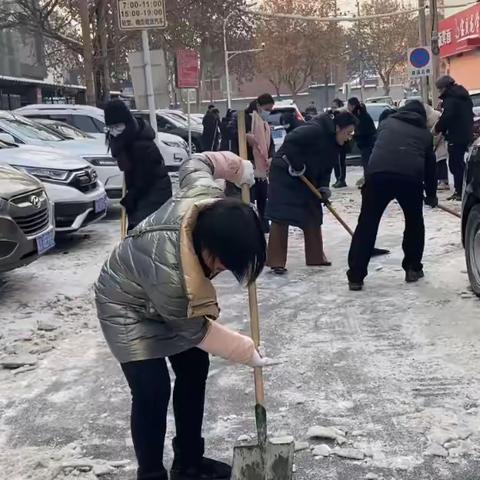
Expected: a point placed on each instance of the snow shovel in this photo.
(449, 210)
(376, 251)
(267, 459)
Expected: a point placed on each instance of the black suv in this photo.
(471, 216)
(170, 123)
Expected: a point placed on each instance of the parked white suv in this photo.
(71, 183)
(173, 148)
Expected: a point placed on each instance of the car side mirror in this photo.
(6, 138)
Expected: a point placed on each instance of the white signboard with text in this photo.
(141, 14)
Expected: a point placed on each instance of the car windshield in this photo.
(176, 120)
(376, 110)
(275, 117)
(68, 132)
(24, 128)
(475, 99)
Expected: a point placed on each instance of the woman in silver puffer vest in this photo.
(155, 300)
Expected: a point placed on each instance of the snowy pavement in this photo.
(395, 368)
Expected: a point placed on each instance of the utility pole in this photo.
(87, 52)
(422, 27)
(362, 64)
(435, 50)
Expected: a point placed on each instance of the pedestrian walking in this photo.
(311, 149)
(439, 147)
(456, 125)
(155, 301)
(225, 142)
(340, 168)
(311, 111)
(365, 132)
(260, 149)
(132, 143)
(402, 167)
(211, 129)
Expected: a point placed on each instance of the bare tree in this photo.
(381, 44)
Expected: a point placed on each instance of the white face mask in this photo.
(116, 130)
(264, 114)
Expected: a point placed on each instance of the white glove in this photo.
(248, 177)
(258, 361)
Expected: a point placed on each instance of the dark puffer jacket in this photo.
(365, 132)
(404, 147)
(146, 177)
(314, 146)
(456, 122)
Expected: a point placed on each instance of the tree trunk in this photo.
(87, 52)
(102, 34)
(326, 79)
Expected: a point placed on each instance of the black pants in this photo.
(260, 195)
(379, 190)
(149, 383)
(442, 171)
(341, 167)
(456, 163)
(366, 153)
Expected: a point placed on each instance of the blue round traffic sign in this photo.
(420, 57)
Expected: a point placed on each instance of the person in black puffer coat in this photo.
(311, 149)
(456, 125)
(132, 143)
(402, 167)
(365, 133)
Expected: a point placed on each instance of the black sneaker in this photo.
(411, 276)
(340, 184)
(279, 270)
(355, 286)
(207, 470)
(456, 197)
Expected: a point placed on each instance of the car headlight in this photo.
(46, 173)
(102, 161)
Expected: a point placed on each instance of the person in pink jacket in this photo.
(155, 301)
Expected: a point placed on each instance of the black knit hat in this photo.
(265, 99)
(415, 106)
(117, 112)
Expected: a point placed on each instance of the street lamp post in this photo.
(228, 55)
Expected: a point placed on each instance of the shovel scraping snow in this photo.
(268, 459)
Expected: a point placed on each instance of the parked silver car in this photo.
(26, 219)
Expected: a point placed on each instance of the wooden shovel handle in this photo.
(252, 288)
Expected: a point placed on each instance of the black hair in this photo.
(415, 106)
(265, 99)
(338, 102)
(232, 232)
(344, 119)
(211, 106)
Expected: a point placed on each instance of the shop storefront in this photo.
(459, 40)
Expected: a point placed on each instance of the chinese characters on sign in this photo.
(460, 32)
(420, 62)
(188, 69)
(141, 14)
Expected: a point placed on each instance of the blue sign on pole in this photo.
(420, 62)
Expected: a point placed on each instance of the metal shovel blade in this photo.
(251, 462)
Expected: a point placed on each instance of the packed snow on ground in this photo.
(379, 384)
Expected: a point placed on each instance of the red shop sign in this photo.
(188, 69)
(460, 32)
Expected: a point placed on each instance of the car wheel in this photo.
(472, 248)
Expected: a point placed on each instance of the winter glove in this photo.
(432, 201)
(326, 193)
(248, 177)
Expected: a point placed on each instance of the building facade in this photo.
(459, 39)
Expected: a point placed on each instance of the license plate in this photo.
(278, 134)
(45, 242)
(101, 205)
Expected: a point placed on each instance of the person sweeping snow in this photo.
(401, 167)
(155, 300)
